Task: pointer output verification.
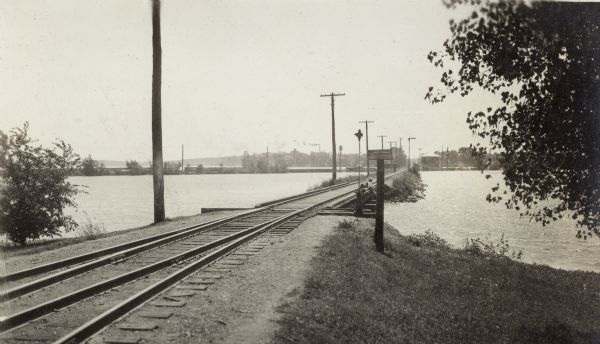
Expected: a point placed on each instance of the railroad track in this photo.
(106, 284)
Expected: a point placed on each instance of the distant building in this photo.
(430, 162)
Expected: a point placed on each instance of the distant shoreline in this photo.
(236, 170)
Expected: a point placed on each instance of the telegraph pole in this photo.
(382, 136)
(410, 138)
(400, 145)
(395, 143)
(157, 156)
(333, 158)
(367, 141)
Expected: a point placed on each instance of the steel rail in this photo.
(86, 330)
(26, 315)
(290, 198)
(76, 270)
(61, 264)
(22, 317)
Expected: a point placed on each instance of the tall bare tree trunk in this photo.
(157, 158)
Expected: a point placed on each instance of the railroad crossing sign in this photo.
(379, 154)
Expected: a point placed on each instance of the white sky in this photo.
(237, 75)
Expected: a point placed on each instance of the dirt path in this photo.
(242, 304)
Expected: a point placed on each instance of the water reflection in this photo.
(455, 208)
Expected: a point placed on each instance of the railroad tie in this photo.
(217, 269)
(156, 314)
(165, 303)
(122, 340)
(200, 281)
(142, 326)
(231, 262)
(200, 287)
(181, 294)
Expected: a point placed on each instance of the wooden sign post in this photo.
(380, 155)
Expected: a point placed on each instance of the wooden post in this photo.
(333, 157)
(157, 156)
(379, 210)
(367, 143)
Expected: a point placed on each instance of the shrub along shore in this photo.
(422, 291)
(407, 186)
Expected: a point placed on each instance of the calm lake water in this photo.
(455, 208)
(120, 202)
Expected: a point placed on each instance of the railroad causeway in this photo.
(75, 298)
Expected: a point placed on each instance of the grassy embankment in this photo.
(422, 291)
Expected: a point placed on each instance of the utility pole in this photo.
(382, 136)
(333, 158)
(379, 223)
(341, 158)
(367, 142)
(400, 144)
(182, 167)
(158, 181)
(410, 138)
(393, 155)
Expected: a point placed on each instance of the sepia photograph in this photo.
(299, 171)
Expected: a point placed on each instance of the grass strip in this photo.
(423, 294)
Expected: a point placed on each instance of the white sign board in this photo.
(380, 154)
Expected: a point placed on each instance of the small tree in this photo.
(34, 188)
(134, 167)
(91, 167)
(172, 167)
(542, 59)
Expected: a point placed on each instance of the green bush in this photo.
(90, 230)
(346, 224)
(429, 239)
(486, 247)
(416, 170)
(34, 188)
(405, 186)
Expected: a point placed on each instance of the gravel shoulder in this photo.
(20, 262)
(241, 305)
